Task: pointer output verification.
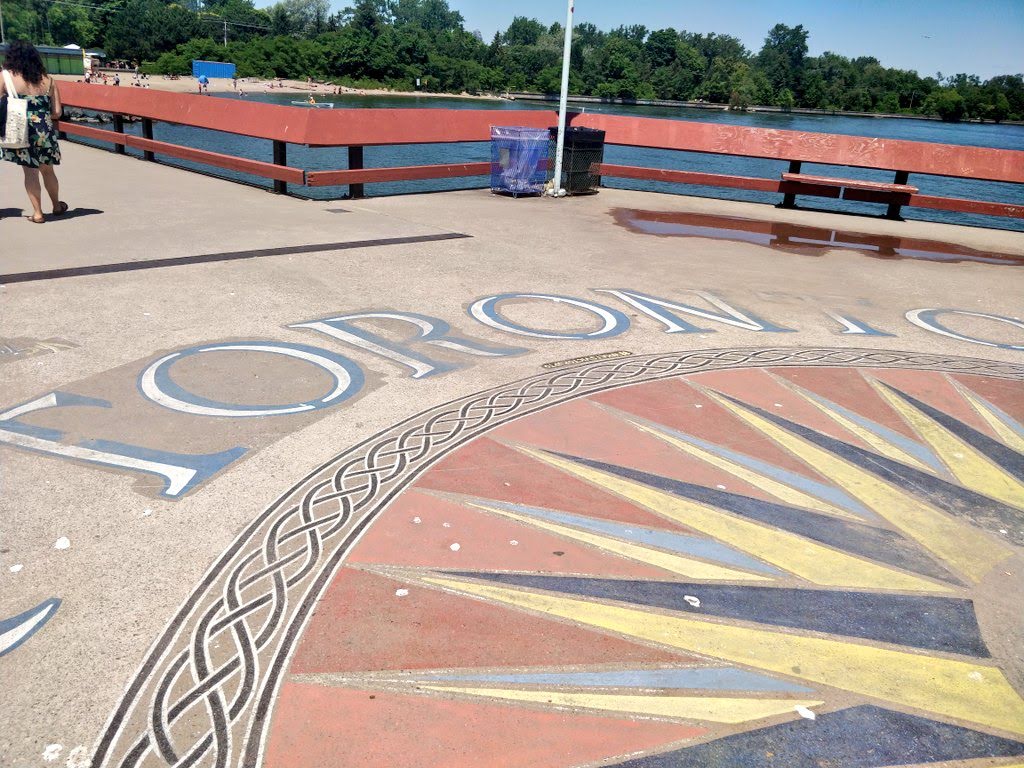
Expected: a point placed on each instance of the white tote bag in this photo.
(16, 134)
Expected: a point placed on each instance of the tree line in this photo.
(391, 43)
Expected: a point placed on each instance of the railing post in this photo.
(147, 133)
(893, 211)
(789, 199)
(119, 128)
(280, 158)
(355, 163)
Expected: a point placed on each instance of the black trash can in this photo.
(584, 149)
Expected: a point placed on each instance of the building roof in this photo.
(53, 50)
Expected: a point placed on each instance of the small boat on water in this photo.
(315, 105)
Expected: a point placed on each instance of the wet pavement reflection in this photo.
(801, 238)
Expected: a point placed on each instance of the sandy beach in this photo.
(188, 84)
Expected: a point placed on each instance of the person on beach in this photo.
(28, 75)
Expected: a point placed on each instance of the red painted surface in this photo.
(485, 540)
(829, 181)
(246, 118)
(827, 148)
(98, 134)
(967, 206)
(582, 428)
(322, 727)
(406, 173)
(230, 162)
(242, 164)
(522, 480)
(689, 177)
(935, 391)
(360, 625)
(851, 392)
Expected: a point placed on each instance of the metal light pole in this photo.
(557, 190)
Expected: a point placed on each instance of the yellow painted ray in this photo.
(971, 467)
(971, 692)
(778, 489)
(717, 709)
(959, 544)
(805, 558)
(878, 443)
(684, 566)
(996, 420)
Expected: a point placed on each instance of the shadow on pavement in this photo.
(73, 213)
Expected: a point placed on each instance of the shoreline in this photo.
(251, 85)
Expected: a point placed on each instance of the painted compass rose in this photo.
(781, 564)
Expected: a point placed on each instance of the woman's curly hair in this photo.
(23, 59)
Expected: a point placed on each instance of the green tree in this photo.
(523, 31)
(71, 24)
(948, 104)
(782, 57)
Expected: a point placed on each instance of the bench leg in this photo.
(789, 199)
(893, 211)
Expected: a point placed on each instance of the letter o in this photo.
(485, 310)
(926, 318)
(156, 384)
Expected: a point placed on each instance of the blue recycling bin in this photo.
(519, 158)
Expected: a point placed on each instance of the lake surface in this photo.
(971, 134)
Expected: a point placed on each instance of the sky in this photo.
(981, 37)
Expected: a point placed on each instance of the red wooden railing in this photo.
(358, 128)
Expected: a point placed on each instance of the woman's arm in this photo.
(56, 108)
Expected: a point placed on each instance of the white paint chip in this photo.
(446, 525)
(52, 752)
(16, 567)
(416, 521)
(62, 543)
(401, 592)
(720, 487)
(147, 512)
(804, 712)
(779, 405)
(514, 543)
(455, 547)
(698, 405)
(78, 758)
(691, 600)
(976, 677)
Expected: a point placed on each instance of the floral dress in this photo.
(42, 136)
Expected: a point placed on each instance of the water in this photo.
(333, 158)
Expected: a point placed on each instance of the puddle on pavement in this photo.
(800, 238)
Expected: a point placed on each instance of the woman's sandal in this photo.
(60, 208)
(34, 220)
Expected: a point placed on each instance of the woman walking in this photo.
(31, 82)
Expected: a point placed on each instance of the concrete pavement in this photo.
(237, 452)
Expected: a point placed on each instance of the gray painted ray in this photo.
(706, 549)
(703, 678)
(822, 491)
(914, 448)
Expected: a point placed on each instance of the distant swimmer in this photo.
(311, 99)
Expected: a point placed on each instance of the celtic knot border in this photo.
(191, 705)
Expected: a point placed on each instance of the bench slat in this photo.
(828, 181)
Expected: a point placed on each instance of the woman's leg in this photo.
(33, 190)
(51, 183)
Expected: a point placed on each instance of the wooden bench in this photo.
(897, 156)
(896, 194)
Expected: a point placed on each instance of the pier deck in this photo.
(460, 480)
